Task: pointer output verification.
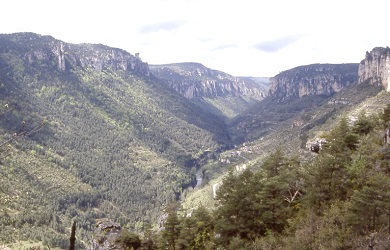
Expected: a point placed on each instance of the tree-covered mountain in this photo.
(336, 197)
(214, 90)
(87, 132)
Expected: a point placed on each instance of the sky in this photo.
(239, 37)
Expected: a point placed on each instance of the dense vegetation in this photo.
(339, 200)
(82, 143)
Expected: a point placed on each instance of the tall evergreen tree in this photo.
(148, 242)
(171, 231)
(363, 125)
(237, 214)
(370, 206)
(327, 178)
(385, 116)
(204, 227)
(281, 187)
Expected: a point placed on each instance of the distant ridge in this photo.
(314, 79)
(219, 92)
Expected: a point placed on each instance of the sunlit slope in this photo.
(113, 142)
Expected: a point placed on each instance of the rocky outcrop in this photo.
(193, 80)
(105, 235)
(375, 68)
(45, 50)
(315, 79)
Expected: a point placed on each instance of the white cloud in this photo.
(278, 43)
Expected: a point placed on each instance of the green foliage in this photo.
(328, 175)
(128, 240)
(171, 231)
(83, 143)
(385, 116)
(363, 125)
(251, 204)
(196, 230)
(370, 205)
(341, 139)
(149, 239)
(237, 214)
(116, 143)
(338, 200)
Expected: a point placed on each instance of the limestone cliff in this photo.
(375, 68)
(193, 80)
(314, 79)
(46, 50)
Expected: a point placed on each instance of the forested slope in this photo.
(340, 199)
(86, 133)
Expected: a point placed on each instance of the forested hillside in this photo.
(86, 133)
(338, 200)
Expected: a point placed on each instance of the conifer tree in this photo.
(363, 125)
(328, 177)
(280, 186)
(148, 242)
(171, 231)
(204, 228)
(187, 234)
(385, 116)
(238, 214)
(370, 206)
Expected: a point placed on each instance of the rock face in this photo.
(105, 235)
(375, 68)
(63, 56)
(193, 80)
(315, 79)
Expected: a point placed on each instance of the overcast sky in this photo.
(241, 38)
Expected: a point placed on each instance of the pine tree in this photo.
(273, 163)
(370, 206)
(148, 242)
(341, 139)
(171, 231)
(385, 116)
(281, 187)
(363, 125)
(238, 214)
(187, 234)
(204, 225)
(327, 176)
